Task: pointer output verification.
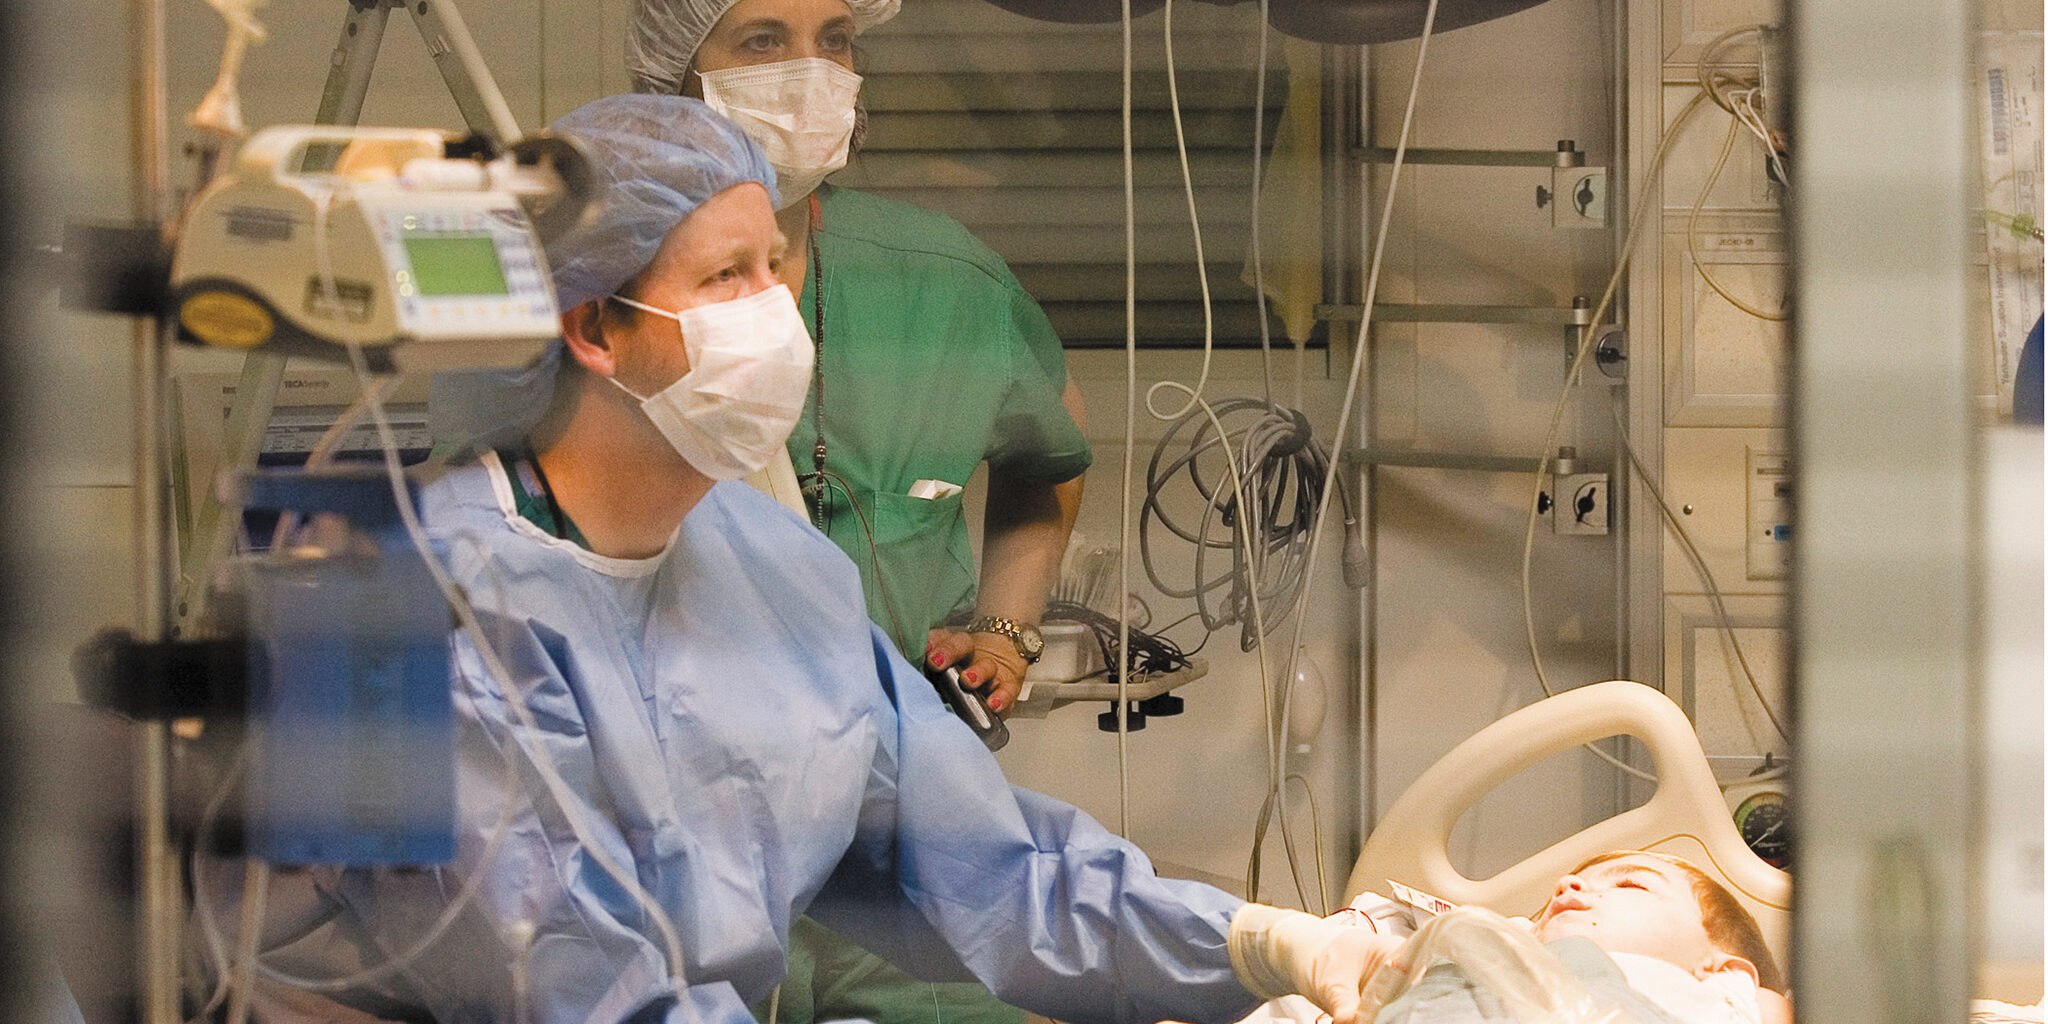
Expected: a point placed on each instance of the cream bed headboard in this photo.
(1686, 817)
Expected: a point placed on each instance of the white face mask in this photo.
(750, 366)
(801, 112)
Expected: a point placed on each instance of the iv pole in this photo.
(156, 866)
(484, 109)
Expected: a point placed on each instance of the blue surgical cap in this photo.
(658, 159)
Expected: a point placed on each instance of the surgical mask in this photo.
(750, 366)
(801, 112)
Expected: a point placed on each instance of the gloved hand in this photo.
(981, 657)
(1276, 952)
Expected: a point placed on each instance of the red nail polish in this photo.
(995, 703)
(938, 661)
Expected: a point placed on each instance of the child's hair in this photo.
(1729, 926)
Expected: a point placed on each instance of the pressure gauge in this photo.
(1765, 823)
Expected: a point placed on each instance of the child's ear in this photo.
(1730, 962)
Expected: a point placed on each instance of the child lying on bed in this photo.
(1656, 937)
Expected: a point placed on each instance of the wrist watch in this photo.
(1030, 644)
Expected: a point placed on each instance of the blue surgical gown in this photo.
(736, 730)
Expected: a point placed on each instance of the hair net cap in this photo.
(662, 42)
(657, 159)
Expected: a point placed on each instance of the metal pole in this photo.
(1886, 440)
(1348, 204)
(156, 864)
(462, 67)
(355, 57)
(1641, 122)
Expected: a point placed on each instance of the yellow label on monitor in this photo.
(226, 319)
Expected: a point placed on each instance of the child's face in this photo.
(1633, 904)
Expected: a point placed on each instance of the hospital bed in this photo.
(1686, 817)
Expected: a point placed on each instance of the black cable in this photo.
(1151, 653)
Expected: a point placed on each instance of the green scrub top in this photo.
(934, 359)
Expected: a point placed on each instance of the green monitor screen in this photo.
(455, 264)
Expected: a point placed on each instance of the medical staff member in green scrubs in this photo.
(931, 358)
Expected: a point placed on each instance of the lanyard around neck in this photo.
(817, 489)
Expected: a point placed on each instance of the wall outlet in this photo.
(1582, 504)
(1768, 549)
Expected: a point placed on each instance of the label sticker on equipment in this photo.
(226, 319)
(1432, 905)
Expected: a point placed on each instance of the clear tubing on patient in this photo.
(1533, 985)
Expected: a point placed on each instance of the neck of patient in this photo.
(613, 473)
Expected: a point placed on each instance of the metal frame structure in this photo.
(1606, 793)
(1637, 518)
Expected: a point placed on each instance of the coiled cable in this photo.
(1264, 525)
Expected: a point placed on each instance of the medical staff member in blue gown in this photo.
(931, 358)
(728, 725)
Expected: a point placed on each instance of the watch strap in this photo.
(1005, 627)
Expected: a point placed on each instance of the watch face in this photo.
(1031, 640)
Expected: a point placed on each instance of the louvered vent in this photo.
(1013, 127)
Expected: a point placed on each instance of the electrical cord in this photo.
(1151, 653)
(1195, 403)
(1282, 467)
(242, 972)
(1266, 808)
(1274, 467)
(1692, 224)
(1699, 568)
(1711, 79)
(1747, 112)
(1738, 97)
(1258, 239)
(1187, 179)
(322, 454)
(202, 899)
(209, 924)
(1123, 560)
(1587, 336)
(1351, 393)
